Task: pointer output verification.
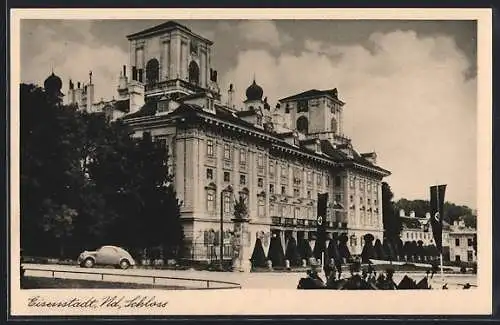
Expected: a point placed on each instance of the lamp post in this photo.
(228, 189)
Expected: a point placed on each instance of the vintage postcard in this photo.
(250, 162)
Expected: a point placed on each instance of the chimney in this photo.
(136, 95)
(124, 70)
(230, 94)
(78, 84)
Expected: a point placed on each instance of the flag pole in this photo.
(441, 248)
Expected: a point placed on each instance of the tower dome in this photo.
(254, 92)
(53, 84)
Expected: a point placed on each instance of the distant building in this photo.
(461, 242)
(415, 228)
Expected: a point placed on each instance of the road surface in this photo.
(264, 280)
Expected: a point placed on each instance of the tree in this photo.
(343, 249)
(391, 220)
(368, 251)
(58, 221)
(292, 253)
(379, 251)
(276, 254)
(258, 258)
(240, 208)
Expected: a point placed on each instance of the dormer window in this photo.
(302, 106)
(259, 120)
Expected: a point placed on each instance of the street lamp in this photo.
(228, 189)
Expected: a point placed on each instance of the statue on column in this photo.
(241, 242)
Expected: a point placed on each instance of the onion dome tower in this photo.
(53, 85)
(254, 92)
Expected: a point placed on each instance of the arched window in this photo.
(303, 125)
(152, 71)
(194, 73)
(334, 125)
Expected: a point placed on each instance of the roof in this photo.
(122, 105)
(313, 93)
(193, 96)
(328, 151)
(148, 109)
(166, 26)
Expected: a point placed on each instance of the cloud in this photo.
(406, 98)
(71, 48)
(263, 32)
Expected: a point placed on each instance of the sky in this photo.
(409, 86)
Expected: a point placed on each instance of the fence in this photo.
(209, 252)
(184, 283)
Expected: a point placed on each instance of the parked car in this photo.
(106, 255)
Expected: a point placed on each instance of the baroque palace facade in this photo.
(278, 159)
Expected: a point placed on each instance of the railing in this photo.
(207, 283)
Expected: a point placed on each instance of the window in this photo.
(227, 203)
(469, 256)
(210, 201)
(318, 179)
(351, 198)
(369, 187)
(375, 202)
(368, 200)
(338, 198)
(457, 241)
(302, 106)
(243, 180)
(260, 207)
(210, 174)
(210, 148)
(296, 213)
(227, 152)
(271, 167)
(309, 177)
(338, 181)
(327, 180)
(457, 258)
(296, 192)
(308, 194)
(271, 188)
(351, 182)
(361, 200)
(469, 242)
(283, 190)
(272, 209)
(227, 177)
(407, 235)
(260, 161)
(260, 182)
(283, 171)
(361, 185)
(302, 125)
(243, 157)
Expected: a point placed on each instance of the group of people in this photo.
(362, 279)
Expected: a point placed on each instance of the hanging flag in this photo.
(437, 203)
(321, 220)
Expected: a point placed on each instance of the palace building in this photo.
(277, 158)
